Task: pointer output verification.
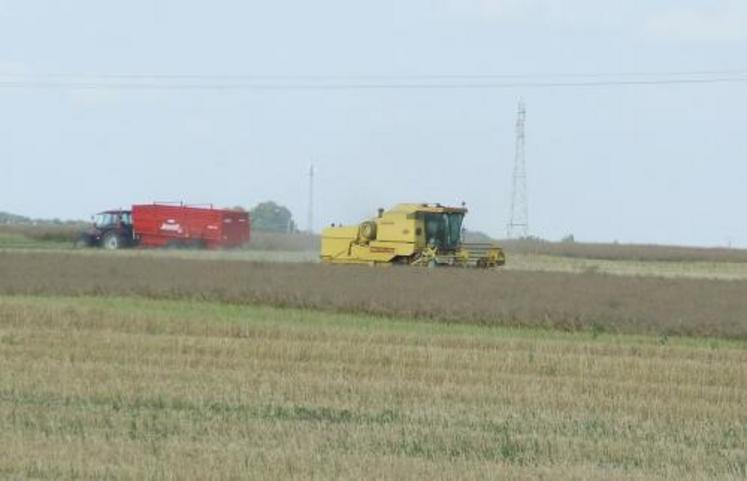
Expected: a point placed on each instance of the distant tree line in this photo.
(7, 218)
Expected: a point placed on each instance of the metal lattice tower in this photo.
(310, 219)
(518, 226)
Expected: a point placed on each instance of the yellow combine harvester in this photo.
(410, 234)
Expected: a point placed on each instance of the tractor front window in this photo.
(103, 220)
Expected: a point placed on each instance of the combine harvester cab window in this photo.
(444, 230)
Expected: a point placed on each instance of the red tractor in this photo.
(167, 225)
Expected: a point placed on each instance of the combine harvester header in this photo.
(409, 234)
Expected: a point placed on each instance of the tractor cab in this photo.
(111, 229)
(112, 219)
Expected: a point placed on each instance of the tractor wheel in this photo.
(112, 241)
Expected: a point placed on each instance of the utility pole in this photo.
(518, 226)
(310, 220)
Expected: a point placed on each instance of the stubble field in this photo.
(123, 367)
(133, 389)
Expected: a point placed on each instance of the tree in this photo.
(569, 239)
(271, 217)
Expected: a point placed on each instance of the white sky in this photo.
(662, 163)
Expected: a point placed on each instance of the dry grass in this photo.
(127, 389)
(671, 269)
(588, 302)
(629, 252)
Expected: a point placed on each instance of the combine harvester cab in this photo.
(409, 234)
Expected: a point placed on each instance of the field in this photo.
(692, 269)
(634, 252)
(214, 366)
(554, 300)
(37, 237)
(62, 237)
(523, 255)
(132, 389)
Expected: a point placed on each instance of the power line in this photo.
(325, 83)
(255, 77)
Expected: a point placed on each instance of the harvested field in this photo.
(64, 234)
(128, 389)
(671, 269)
(571, 302)
(520, 262)
(627, 252)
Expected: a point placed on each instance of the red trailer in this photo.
(162, 225)
(167, 225)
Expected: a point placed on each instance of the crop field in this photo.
(591, 301)
(133, 389)
(142, 366)
(695, 269)
(49, 235)
(523, 255)
(629, 252)
(516, 262)
(10, 239)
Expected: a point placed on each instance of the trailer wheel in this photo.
(111, 241)
(197, 244)
(173, 245)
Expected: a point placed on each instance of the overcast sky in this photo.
(104, 104)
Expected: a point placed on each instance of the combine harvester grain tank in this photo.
(409, 234)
